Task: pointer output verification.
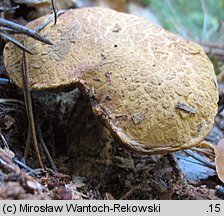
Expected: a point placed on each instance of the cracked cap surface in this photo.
(154, 91)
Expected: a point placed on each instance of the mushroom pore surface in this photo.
(154, 91)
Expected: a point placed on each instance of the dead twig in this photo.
(49, 19)
(208, 154)
(39, 133)
(54, 11)
(8, 27)
(10, 38)
(5, 151)
(12, 102)
(28, 140)
(24, 166)
(29, 108)
(7, 164)
(4, 141)
(24, 30)
(5, 81)
(207, 163)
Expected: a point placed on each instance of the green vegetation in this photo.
(201, 20)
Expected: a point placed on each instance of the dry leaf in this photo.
(219, 159)
(9, 121)
(33, 185)
(6, 152)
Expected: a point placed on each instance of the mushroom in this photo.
(154, 91)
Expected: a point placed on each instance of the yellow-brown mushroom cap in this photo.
(154, 91)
